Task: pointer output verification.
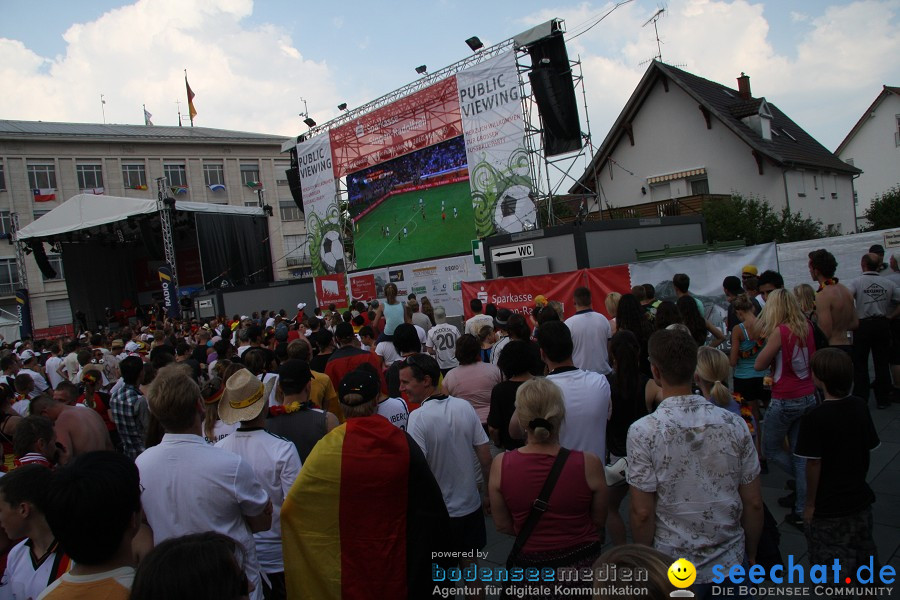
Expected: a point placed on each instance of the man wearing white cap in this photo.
(192, 487)
(274, 460)
(29, 363)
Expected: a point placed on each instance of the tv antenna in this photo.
(653, 20)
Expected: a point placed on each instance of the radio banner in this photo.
(169, 291)
(23, 309)
(494, 131)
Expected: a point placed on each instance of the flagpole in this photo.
(103, 108)
(178, 104)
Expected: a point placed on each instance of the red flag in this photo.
(190, 95)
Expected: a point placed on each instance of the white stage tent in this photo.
(84, 211)
(112, 247)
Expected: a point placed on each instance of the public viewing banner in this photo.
(440, 280)
(331, 289)
(320, 205)
(494, 130)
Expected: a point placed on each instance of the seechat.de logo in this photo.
(682, 574)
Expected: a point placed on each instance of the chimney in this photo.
(744, 86)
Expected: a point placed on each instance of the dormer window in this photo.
(765, 120)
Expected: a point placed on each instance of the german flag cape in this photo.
(362, 517)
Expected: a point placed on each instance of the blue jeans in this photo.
(783, 419)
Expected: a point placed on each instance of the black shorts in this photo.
(467, 533)
(751, 389)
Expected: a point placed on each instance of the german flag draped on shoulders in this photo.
(363, 517)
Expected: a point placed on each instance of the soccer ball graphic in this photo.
(514, 209)
(332, 252)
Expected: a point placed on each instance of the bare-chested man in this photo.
(77, 428)
(834, 302)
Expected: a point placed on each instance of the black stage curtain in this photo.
(234, 249)
(99, 276)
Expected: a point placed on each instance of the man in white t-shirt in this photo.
(447, 430)
(30, 367)
(590, 335)
(441, 342)
(474, 324)
(211, 489)
(274, 459)
(53, 366)
(70, 362)
(585, 393)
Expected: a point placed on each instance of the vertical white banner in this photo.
(494, 128)
(323, 229)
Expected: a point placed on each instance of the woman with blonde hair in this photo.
(612, 305)
(789, 346)
(711, 376)
(638, 558)
(807, 298)
(568, 533)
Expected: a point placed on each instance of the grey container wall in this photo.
(597, 243)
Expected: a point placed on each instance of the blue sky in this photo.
(250, 62)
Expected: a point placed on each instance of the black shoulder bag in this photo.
(540, 506)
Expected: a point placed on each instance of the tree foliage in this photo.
(884, 213)
(753, 220)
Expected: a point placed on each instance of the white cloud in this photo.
(798, 17)
(246, 78)
(835, 71)
(338, 22)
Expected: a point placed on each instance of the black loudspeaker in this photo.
(293, 177)
(554, 91)
(40, 257)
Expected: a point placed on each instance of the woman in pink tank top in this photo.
(570, 532)
(789, 347)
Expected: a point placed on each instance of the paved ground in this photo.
(884, 477)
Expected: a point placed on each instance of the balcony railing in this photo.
(9, 289)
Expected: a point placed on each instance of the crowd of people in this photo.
(355, 453)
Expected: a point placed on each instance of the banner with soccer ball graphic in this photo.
(425, 174)
(494, 130)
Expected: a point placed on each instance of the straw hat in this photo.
(245, 397)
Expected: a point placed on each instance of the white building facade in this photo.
(40, 160)
(873, 145)
(683, 136)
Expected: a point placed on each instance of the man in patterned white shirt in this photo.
(693, 471)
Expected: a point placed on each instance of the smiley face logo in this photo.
(682, 573)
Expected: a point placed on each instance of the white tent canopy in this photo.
(84, 211)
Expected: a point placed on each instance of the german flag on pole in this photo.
(192, 112)
(364, 516)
